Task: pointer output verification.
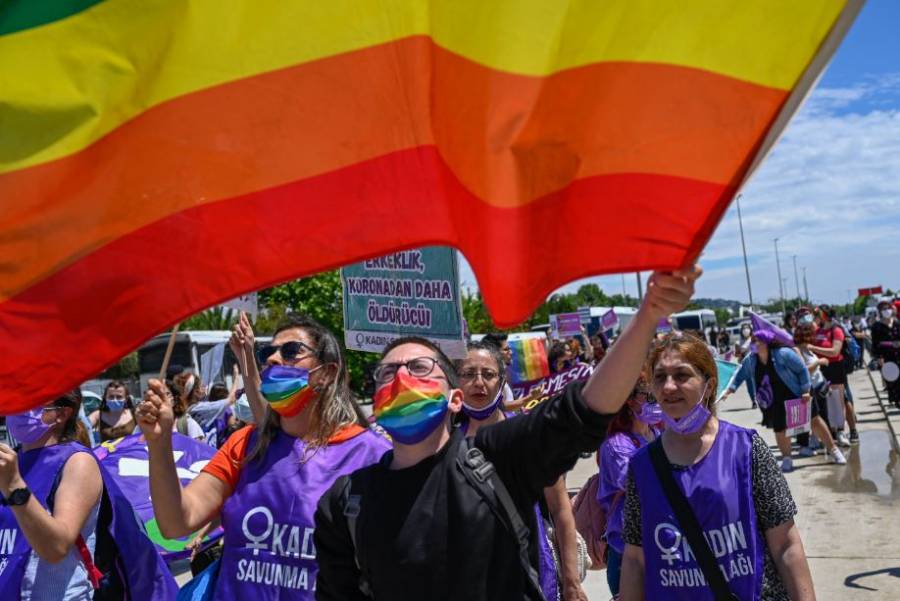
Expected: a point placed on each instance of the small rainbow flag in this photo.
(529, 360)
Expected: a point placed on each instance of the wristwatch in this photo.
(16, 497)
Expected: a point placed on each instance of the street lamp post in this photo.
(796, 279)
(780, 283)
(805, 287)
(639, 286)
(744, 248)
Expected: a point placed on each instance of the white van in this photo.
(700, 320)
(189, 347)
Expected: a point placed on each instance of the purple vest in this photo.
(140, 567)
(720, 491)
(268, 520)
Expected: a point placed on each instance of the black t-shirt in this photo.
(780, 390)
(425, 533)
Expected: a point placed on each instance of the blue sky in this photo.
(830, 190)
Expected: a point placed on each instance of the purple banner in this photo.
(566, 324)
(128, 461)
(797, 417)
(609, 319)
(551, 385)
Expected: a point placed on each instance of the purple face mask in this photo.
(484, 412)
(650, 413)
(692, 422)
(27, 427)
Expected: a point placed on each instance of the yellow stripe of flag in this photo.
(66, 84)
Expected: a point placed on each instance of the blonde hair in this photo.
(334, 406)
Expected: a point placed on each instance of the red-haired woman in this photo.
(744, 538)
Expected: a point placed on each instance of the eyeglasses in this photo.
(418, 367)
(290, 351)
(488, 375)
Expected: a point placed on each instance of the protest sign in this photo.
(211, 363)
(409, 293)
(127, 459)
(870, 291)
(609, 319)
(248, 303)
(564, 325)
(584, 315)
(551, 385)
(798, 417)
(664, 325)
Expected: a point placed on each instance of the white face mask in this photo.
(887, 313)
(807, 318)
(242, 410)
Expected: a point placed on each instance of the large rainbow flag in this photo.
(160, 156)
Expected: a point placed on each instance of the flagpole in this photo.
(168, 355)
(780, 283)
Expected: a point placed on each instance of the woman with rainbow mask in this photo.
(263, 484)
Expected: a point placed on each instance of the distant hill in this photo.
(717, 303)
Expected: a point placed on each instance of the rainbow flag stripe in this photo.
(140, 137)
(529, 360)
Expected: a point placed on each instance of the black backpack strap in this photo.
(355, 490)
(689, 524)
(481, 475)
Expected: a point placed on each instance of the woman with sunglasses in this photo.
(263, 484)
(731, 484)
(481, 378)
(633, 427)
(50, 519)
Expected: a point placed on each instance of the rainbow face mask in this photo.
(410, 408)
(286, 389)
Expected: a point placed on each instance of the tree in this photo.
(320, 297)
(217, 318)
(476, 314)
(722, 316)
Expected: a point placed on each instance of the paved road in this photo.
(849, 516)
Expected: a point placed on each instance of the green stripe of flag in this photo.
(16, 15)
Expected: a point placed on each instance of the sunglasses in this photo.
(290, 351)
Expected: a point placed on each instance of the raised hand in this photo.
(243, 345)
(9, 470)
(155, 415)
(669, 293)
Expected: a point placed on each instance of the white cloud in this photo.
(830, 191)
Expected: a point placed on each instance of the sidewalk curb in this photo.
(891, 414)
